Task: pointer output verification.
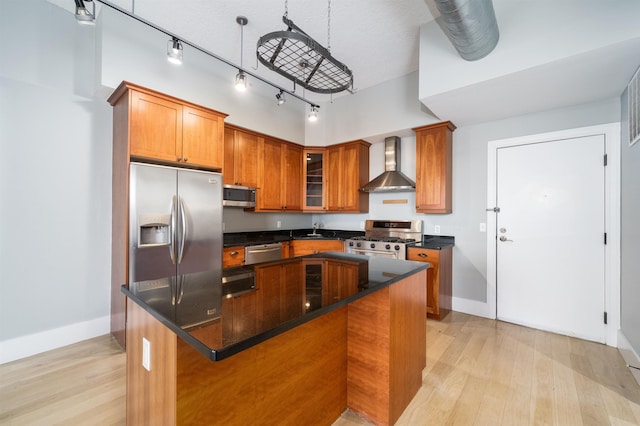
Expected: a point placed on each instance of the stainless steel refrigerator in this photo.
(175, 238)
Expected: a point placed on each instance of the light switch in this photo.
(483, 227)
(146, 354)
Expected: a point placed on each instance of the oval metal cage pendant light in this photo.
(298, 57)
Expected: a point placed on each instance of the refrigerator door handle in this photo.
(180, 290)
(183, 237)
(172, 236)
(172, 288)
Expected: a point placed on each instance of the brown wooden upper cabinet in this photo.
(347, 171)
(279, 176)
(314, 187)
(240, 157)
(434, 167)
(167, 130)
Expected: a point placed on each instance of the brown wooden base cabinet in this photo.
(367, 356)
(305, 247)
(439, 287)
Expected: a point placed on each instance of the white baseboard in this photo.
(630, 355)
(32, 344)
(471, 307)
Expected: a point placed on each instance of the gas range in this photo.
(388, 238)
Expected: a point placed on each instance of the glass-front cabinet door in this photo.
(314, 187)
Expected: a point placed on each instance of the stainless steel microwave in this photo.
(238, 196)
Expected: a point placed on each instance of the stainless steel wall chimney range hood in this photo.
(392, 180)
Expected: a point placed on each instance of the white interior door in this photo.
(550, 252)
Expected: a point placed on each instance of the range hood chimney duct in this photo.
(392, 180)
(470, 25)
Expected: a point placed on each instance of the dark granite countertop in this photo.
(436, 242)
(265, 237)
(193, 305)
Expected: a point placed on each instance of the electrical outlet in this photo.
(146, 354)
(278, 224)
(436, 229)
(483, 227)
(362, 225)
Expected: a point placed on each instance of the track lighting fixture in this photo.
(280, 97)
(241, 81)
(174, 51)
(313, 114)
(83, 16)
(241, 78)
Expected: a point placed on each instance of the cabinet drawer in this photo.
(232, 256)
(304, 247)
(423, 255)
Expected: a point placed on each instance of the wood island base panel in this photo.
(367, 355)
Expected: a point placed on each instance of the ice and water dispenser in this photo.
(154, 230)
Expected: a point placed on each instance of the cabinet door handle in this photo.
(423, 255)
(186, 159)
(179, 158)
(233, 253)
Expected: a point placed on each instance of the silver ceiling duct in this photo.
(392, 180)
(470, 25)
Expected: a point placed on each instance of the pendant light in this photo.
(83, 16)
(241, 78)
(313, 114)
(174, 51)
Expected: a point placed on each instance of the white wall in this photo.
(55, 183)
(388, 108)
(629, 234)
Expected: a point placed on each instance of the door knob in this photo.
(504, 239)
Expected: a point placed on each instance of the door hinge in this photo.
(605, 318)
(605, 238)
(605, 160)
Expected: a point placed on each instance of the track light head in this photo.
(313, 114)
(174, 51)
(280, 97)
(83, 16)
(241, 81)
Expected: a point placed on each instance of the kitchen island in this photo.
(318, 334)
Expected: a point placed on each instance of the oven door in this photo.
(375, 253)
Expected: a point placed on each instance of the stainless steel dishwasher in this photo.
(262, 253)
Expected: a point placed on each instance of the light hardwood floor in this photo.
(479, 372)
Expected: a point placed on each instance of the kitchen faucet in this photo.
(315, 227)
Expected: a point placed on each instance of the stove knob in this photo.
(351, 244)
(397, 247)
(373, 245)
(387, 246)
(358, 245)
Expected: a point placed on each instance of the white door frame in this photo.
(611, 134)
